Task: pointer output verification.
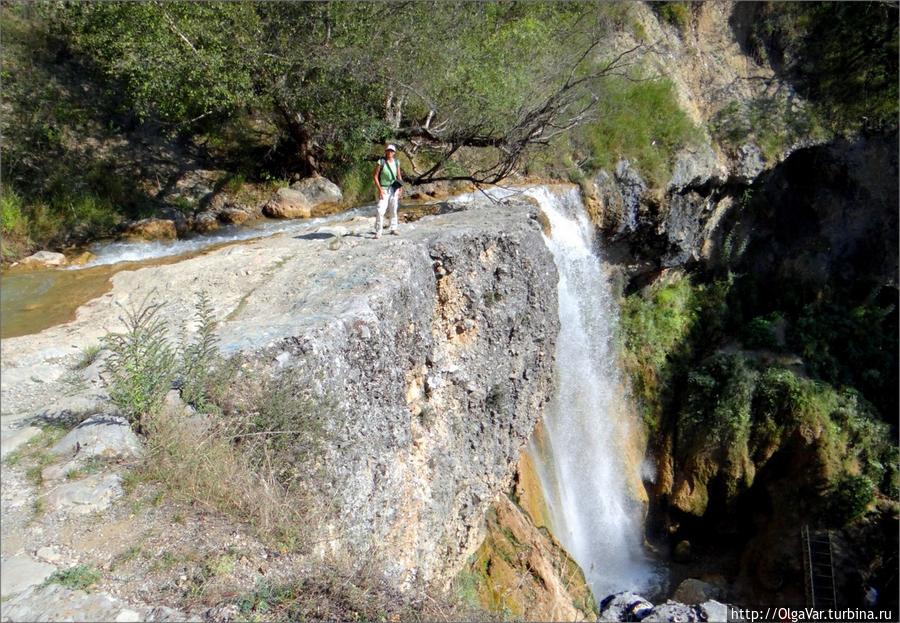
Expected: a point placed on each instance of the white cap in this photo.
(390, 148)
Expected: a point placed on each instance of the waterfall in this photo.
(581, 456)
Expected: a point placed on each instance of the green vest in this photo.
(387, 176)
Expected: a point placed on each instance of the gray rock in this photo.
(45, 258)
(21, 572)
(750, 163)
(692, 591)
(58, 603)
(205, 222)
(625, 606)
(318, 190)
(674, 612)
(104, 436)
(714, 611)
(49, 554)
(14, 439)
(89, 495)
(696, 167)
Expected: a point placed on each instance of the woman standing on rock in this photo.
(388, 181)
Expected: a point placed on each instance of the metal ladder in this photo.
(818, 568)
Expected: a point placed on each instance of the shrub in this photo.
(79, 577)
(760, 332)
(717, 407)
(640, 121)
(849, 497)
(676, 13)
(142, 364)
(12, 221)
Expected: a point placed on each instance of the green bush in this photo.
(717, 408)
(676, 13)
(760, 332)
(849, 498)
(12, 221)
(642, 122)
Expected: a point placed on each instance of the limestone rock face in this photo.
(151, 229)
(439, 360)
(524, 571)
(434, 350)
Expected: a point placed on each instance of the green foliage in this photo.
(849, 497)
(199, 357)
(640, 121)
(774, 123)
(760, 332)
(662, 327)
(12, 221)
(88, 356)
(841, 55)
(717, 406)
(676, 13)
(846, 344)
(142, 363)
(80, 577)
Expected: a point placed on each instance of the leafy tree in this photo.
(335, 77)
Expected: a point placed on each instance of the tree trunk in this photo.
(302, 139)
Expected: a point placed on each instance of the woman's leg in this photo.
(380, 207)
(392, 207)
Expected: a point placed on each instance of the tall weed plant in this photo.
(142, 363)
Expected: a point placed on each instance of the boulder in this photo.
(151, 229)
(674, 612)
(44, 258)
(233, 215)
(104, 436)
(318, 190)
(693, 591)
(288, 203)
(205, 222)
(303, 198)
(54, 602)
(714, 611)
(625, 606)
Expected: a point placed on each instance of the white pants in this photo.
(389, 203)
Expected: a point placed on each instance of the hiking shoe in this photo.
(394, 232)
(377, 235)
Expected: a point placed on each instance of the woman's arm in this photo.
(376, 177)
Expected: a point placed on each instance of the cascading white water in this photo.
(581, 459)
